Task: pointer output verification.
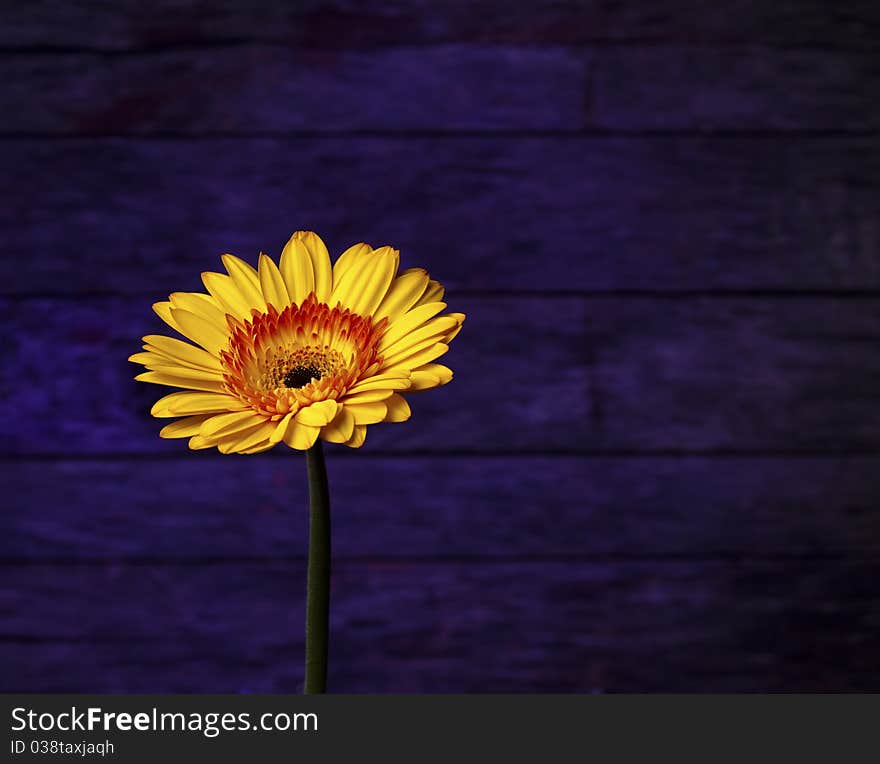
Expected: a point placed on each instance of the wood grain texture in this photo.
(526, 213)
(333, 24)
(656, 467)
(570, 374)
(563, 627)
(663, 87)
(276, 90)
(486, 509)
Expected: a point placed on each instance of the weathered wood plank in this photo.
(257, 90)
(570, 374)
(108, 25)
(446, 88)
(453, 507)
(665, 87)
(527, 213)
(808, 625)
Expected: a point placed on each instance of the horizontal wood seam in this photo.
(451, 134)
(593, 453)
(756, 293)
(734, 558)
(584, 44)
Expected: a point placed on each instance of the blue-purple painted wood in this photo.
(108, 509)
(779, 212)
(541, 626)
(499, 89)
(560, 373)
(123, 25)
(656, 468)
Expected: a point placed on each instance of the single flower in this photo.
(300, 350)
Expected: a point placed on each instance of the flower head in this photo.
(300, 350)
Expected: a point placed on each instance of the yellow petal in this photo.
(272, 284)
(438, 369)
(321, 267)
(280, 429)
(258, 449)
(177, 380)
(368, 396)
(163, 310)
(224, 290)
(398, 409)
(184, 428)
(367, 413)
(209, 335)
(364, 285)
(245, 439)
(346, 260)
(433, 293)
(167, 366)
(340, 429)
(183, 403)
(405, 290)
(409, 322)
(197, 442)
(356, 285)
(246, 280)
(420, 357)
(318, 414)
(297, 269)
(182, 352)
(358, 436)
(201, 304)
(423, 380)
(454, 332)
(438, 327)
(430, 375)
(393, 359)
(301, 436)
(398, 380)
(234, 421)
(148, 359)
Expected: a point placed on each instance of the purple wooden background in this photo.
(657, 468)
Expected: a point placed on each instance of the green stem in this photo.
(318, 587)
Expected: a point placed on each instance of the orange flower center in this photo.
(280, 362)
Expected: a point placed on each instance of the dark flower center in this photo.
(300, 376)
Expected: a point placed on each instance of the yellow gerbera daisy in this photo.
(300, 350)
